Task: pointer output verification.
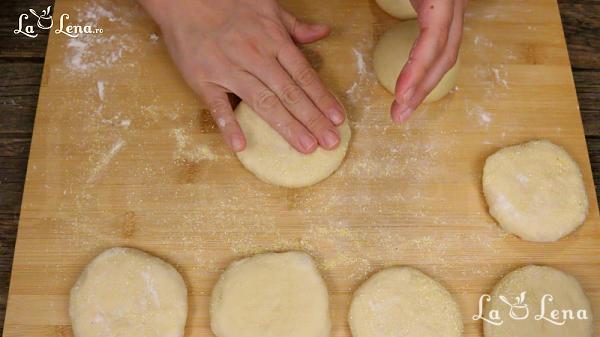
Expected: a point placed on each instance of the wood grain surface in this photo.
(420, 207)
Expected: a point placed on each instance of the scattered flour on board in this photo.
(360, 62)
(104, 160)
(500, 76)
(478, 113)
(187, 151)
(90, 52)
(484, 46)
(360, 92)
(100, 85)
(482, 41)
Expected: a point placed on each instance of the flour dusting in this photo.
(100, 85)
(104, 160)
(90, 52)
(500, 76)
(187, 151)
(360, 92)
(360, 62)
(478, 113)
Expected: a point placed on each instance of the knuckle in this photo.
(265, 100)
(291, 94)
(285, 126)
(219, 111)
(275, 30)
(306, 76)
(315, 121)
(217, 106)
(233, 37)
(444, 30)
(325, 99)
(442, 35)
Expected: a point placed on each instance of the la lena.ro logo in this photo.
(519, 310)
(44, 21)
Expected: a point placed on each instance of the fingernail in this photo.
(307, 142)
(337, 117)
(404, 114)
(331, 139)
(236, 143)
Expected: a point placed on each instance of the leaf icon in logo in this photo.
(521, 298)
(46, 13)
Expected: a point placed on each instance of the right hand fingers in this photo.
(435, 18)
(449, 55)
(269, 107)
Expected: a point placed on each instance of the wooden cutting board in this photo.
(123, 154)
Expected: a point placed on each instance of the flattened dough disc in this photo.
(402, 301)
(269, 156)
(125, 292)
(535, 190)
(537, 281)
(271, 295)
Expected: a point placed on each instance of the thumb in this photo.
(303, 32)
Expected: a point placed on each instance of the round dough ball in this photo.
(537, 281)
(271, 295)
(401, 9)
(535, 190)
(273, 160)
(125, 292)
(391, 53)
(402, 301)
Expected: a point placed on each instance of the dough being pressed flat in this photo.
(272, 159)
(391, 53)
(271, 295)
(125, 292)
(402, 301)
(538, 281)
(535, 190)
(401, 9)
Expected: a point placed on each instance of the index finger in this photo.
(435, 18)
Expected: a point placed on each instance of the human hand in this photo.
(435, 51)
(247, 47)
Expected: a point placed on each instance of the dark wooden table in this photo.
(22, 59)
